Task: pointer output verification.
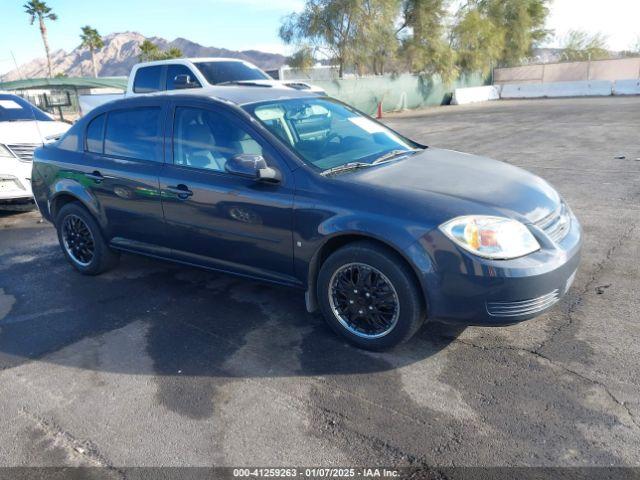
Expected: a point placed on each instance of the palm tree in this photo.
(40, 10)
(92, 41)
(148, 51)
(173, 52)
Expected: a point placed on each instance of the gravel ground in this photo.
(154, 364)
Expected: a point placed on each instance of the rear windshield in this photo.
(222, 72)
(16, 109)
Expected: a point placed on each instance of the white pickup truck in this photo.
(183, 73)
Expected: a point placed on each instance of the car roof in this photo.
(243, 95)
(235, 94)
(190, 60)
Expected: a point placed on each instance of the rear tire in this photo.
(369, 296)
(82, 241)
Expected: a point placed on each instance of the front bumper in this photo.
(463, 288)
(15, 179)
(14, 188)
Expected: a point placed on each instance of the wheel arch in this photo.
(340, 240)
(66, 194)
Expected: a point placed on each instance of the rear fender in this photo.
(69, 187)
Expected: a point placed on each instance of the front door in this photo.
(218, 219)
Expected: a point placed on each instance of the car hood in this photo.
(295, 85)
(479, 184)
(30, 131)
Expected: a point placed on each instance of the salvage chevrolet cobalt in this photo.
(380, 231)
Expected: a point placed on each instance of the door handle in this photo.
(182, 191)
(96, 176)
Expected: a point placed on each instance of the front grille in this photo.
(24, 151)
(557, 224)
(524, 307)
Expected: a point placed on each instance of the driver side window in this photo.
(172, 73)
(207, 140)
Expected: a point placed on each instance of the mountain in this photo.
(120, 53)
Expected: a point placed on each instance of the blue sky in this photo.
(233, 24)
(245, 24)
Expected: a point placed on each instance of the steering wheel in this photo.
(328, 139)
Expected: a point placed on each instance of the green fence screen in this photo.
(396, 92)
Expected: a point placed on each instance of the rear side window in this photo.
(95, 134)
(148, 79)
(134, 133)
(174, 70)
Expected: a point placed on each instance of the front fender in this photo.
(384, 229)
(311, 243)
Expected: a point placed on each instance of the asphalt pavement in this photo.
(154, 364)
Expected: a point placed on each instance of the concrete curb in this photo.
(557, 89)
(463, 96)
(591, 88)
(626, 87)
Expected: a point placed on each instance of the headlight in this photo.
(491, 237)
(5, 152)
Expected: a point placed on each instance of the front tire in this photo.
(82, 242)
(369, 296)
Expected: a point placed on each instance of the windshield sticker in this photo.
(367, 125)
(10, 105)
(371, 127)
(266, 114)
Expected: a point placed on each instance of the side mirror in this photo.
(253, 167)
(184, 81)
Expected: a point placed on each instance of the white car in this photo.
(23, 128)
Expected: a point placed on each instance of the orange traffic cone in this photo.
(379, 112)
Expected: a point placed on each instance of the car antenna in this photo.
(41, 136)
(33, 114)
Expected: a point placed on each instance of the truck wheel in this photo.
(369, 296)
(82, 241)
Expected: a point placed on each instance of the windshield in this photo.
(222, 72)
(328, 134)
(15, 109)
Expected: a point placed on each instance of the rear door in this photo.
(218, 219)
(124, 152)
